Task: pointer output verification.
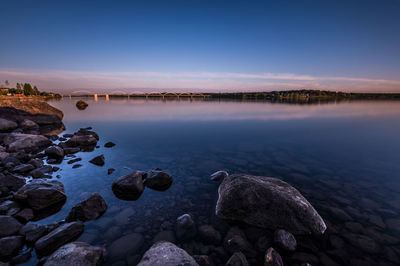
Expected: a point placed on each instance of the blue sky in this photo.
(202, 45)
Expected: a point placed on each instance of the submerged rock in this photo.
(109, 144)
(166, 254)
(272, 258)
(89, 209)
(58, 237)
(285, 240)
(8, 225)
(209, 234)
(10, 245)
(41, 194)
(127, 245)
(219, 175)
(81, 105)
(129, 187)
(77, 253)
(185, 227)
(267, 202)
(158, 180)
(81, 140)
(98, 160)
(54, 152)
(237, 259)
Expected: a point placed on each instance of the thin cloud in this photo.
(61, 80)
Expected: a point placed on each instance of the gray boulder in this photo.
(60, 236)
(54, 152)
(219, 175)
(7, 125)
(26, 142)
(185, 227)
(81, 140)
(10, 245)
(89, 209)
(285, 240)
(77, 253)
(129, 187)
(8, 225)
(267, 202)
(166, 254)
(27, 124)
(158, 180)
(41, 194)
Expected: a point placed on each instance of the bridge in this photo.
(138, 94)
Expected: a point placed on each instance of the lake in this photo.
(343, 157)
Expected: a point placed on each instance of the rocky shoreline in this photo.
(275, 210)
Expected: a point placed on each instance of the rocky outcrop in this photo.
(129, 187)
(89, 209)
(268, 203)
(41, 194)
(166, 253)
(77, 253)
(158, 180)
(61, 235)
(7, 125)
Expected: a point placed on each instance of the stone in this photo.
(185, 227)
(23, 168)
(267, 202)
(11, 181)
(41, 172)
(26, 142)
(71, 150)
(110, 171)
(219, 175)
(76, 166)
(237, 259)
(129, 187)
(209, 234)
(10, 245)
(7, 125)
(27, 124)
(236, 241)
(166, 254)
(25, 215)
(89, 209)
(98, 160)
(81, 140)
(32, 232)
(9, 225)
(77, 253)
(74, 160)
(272, 258)
(203, 260)
(340, 214)
(167, 235)
(362, 242)
(40, 194)
(37, 163)
(109, 144)
(54, 152)
(127, 245)
(8, 205)
(158, 180)
(58, 237)
(285, 240)
(81, 105)
(22, 257)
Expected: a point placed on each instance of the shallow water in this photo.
(343, 157)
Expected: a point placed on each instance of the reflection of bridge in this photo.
(138, 94)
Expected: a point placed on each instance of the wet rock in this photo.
(185, 227)
(98, 160)
(74, 160)
(89, 209)
(32, 232)
(209, 234)
(27, 124)
(110, 171)
(109, 144)
(11, 181)
(285, 240)
(81, 140)
(272, 258)
(41, 172)
(26, 142)
(87, 132)
(158, 180)
(219, 175)
(126, 245)
(58, 237)
(237, 259)
(71, 150)
(41, 194)
(76, 165)
(8, 225)
(167, 236)
(236, 241)
(23, 168)
(77, 253)
(10, 245)
(203, 260)
(37, 163)
(22, 257)
(165, 253)
(264, 242)
(129, 187)
(8, 205)
(54, 152)
(267, 202)
(7, 125)
(25, 215)
(81, 105)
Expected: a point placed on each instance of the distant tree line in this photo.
(23, 88)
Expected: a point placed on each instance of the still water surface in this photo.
(343, 157)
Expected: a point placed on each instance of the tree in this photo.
(28, 89)
(36, 91)
(7, 83)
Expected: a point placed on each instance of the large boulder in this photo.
(60, 236)
(7, 125)
(10, 245)
(129, 187)
(11, 180)
(41, 194)
(89, 209)
(8, 225)
(81, 140)
(54, 152)
(81, 105)
(166, 254)
(27, 124)
(268, 203)
(158, 180)
(77, 253)
(26, 142)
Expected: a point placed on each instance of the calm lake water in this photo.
(343, 157)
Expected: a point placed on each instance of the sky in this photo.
(68, 46)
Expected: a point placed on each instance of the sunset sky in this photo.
(201, 45)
